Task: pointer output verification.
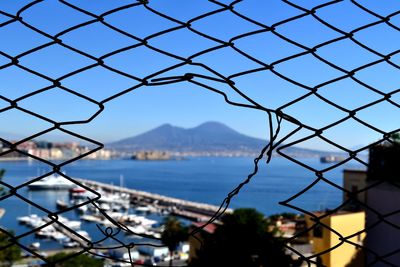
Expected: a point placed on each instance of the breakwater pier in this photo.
(195, 211)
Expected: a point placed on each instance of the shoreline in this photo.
(181, 156)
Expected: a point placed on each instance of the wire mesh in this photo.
(210, 78)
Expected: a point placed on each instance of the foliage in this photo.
(242, 240)
(81, 260)
(10, 254)
(396, 137)
(173, 234)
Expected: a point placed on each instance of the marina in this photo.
(146, 201)
(76, 231)
(118, 207)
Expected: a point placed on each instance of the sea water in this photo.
(201, 179)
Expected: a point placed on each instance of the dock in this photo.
(70, 234)
(191, 210)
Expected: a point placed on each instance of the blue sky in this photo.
(185, 104)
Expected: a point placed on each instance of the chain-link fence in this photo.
(312, 47)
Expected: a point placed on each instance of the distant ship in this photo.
(331, 159)
(54, 182)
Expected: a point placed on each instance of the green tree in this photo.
(242, 240)
(396, 137)
(81, 260)
(8, 254)
(173, 234)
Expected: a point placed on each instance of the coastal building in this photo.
(195, 240)
(375, 210)
(101, 154)
(51, 151)
(323, 238)
(347, 222)
(43, 153)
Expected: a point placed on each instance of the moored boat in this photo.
(34, 246)
(53, 182)
(77, 190)
(61, 205)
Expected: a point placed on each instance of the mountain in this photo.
(208, 137)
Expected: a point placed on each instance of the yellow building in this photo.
(322, 239)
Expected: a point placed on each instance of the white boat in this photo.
(105, 206)
(81, 194)
(36, 223)
(138, 229)
(54, 182)
(24, 219)
(32, 220)
(61, 204)
(153, 233)
(136, 220)
(45, 234)
(107, 223)
(91, 218)
(114, 199)
(58, 236)
(115, 215)
(147, 222)
(74, 225)
(83, 209)
(70, 244)
(143, 209)
(34, 246)
(84, 234)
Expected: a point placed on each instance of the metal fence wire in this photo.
(325, 16)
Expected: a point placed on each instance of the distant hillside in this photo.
(210, 136)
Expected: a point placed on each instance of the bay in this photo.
(202, 179)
